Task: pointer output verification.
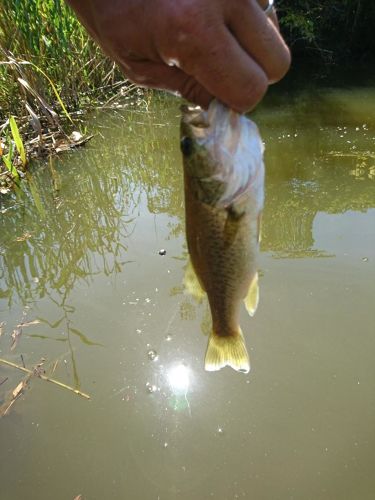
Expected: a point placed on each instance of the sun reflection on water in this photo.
(179, 379)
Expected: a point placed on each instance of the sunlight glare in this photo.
(179, 379)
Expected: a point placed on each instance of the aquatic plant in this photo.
(8, 152)
(47, 34)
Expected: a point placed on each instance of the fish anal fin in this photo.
(192, 284)
(227, 351)
(252, 298)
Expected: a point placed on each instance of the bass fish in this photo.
(224, 193)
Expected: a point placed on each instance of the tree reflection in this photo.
(74, 223)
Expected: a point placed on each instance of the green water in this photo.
(79, 251)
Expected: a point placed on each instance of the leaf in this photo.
(35, 122)
(35, 195)
(2, 324)
(24, 237)
(16, 334)
(17, 139)
(83, 338)
(9, 165)
(29, 323)
(17, 391)
(50, 114)
(52, 325)
(44, 337)
(54, 90)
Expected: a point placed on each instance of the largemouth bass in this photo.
(224, 191)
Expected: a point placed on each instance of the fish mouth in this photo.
(194, 116)
(217, 117)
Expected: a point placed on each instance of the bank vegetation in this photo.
(50, 70)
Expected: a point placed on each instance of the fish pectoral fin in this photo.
(252, 298)
(236, 210)
(227, 351)
(192, 284)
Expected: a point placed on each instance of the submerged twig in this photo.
(15, 394)
(16, 334)
(44, 377)
(4, 411)
(55, 366)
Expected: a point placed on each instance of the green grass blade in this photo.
(17, 139)
(35, 195)
(54, 90)
(9, 165)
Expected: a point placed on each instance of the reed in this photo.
(49, 67)
(47, 34)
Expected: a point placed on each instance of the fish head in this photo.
(195, 132)
(220, 148)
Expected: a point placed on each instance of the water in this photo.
(95, 250)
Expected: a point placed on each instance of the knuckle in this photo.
(181, 40)
(253, 94)
(184, 16)
(135, 76)
(281, 67)
(139, 79)
(194, 92)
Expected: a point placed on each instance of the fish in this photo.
(224, 195)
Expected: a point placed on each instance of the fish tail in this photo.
(227, 351)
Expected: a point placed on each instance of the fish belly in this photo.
(223, 250)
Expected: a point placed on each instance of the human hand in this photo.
(201, 49)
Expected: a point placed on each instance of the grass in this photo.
(49, 67)
(47, 34)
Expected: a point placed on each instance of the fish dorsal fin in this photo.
(192, 284)
(252, 297)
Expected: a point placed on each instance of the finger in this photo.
(259, 37)
(160, 76)
(272, 16)
(221, 65)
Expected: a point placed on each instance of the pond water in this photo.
(79, 252)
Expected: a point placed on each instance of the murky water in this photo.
(81, 251)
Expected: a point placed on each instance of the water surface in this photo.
(79, 251)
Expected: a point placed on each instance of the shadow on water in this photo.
(79, 252)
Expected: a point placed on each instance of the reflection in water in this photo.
(82, 252)
(179, 379)
(320, 161)
(52, 239)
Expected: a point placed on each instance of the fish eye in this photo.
(187, 146)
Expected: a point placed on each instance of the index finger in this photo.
(215, 59)
(259, 37)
